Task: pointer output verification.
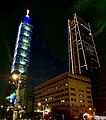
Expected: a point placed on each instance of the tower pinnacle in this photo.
(27, 13)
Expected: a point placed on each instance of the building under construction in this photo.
(82, 51)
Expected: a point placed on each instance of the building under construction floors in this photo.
(82, 51)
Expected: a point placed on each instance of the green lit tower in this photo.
(22, 49)
(21, 59)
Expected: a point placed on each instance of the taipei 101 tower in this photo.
(22, 50)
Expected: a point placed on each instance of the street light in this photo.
(17, 77)
(43, 106)
(39, 104)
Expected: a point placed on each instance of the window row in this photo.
(54, 88)
(62, 90)
(60, 95)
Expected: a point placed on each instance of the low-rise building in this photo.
(69, 92)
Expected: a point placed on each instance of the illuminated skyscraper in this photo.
(22, 48)
(82, 52)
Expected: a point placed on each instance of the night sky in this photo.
(49, 55)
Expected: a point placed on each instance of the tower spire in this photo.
(27, 12)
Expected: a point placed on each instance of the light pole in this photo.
(39, 104)
(45, 109)
(15, 112)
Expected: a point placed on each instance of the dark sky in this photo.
(48, 56)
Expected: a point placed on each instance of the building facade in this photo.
(82, 51)
(69, 92)
(30, 100)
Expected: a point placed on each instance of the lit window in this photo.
(50, 98)
(81, 101)
(27, 28)
(56, 87)
(81, 95)
(62, 100)
(66, 84)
